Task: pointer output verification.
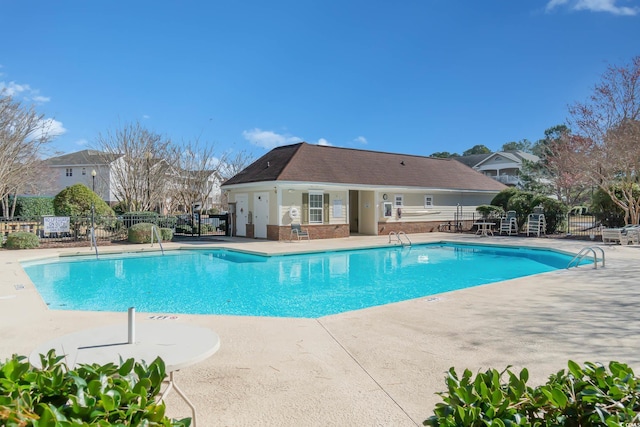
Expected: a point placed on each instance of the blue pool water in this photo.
(309, 285)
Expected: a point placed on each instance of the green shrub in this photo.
(95, 395)
(166, 234)
(22, 240)
(77, 200)
(605, 211)
(140, 232)
(33, 207)
(184, 229)
(502, 198)
(581, 396)
(488, 211)
(167, 222)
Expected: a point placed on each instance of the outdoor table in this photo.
(178, 345)
(484, 228)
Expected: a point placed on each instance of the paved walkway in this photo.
(375, 367)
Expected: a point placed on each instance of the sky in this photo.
(407, 76)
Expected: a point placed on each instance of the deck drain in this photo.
(433, 299)
(18, 287)
(163, 317)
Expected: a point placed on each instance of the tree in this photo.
(139, 176)
(23, 136)
(477, 149)
(555, 173)
(522, 145)
(606, 143)
(234, 164)
(198, 176)
(444, 155)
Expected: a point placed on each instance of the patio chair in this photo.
(509, 223)
(296, 230)
(536, 224)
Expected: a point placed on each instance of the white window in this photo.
(315, 208)
(84, 171)
(69, 172)
(398, 200)
(428, 201)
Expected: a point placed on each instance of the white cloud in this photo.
(146, 116)
(609, 6)
(268, 139)
(323, 141)
(361, 139)
(23, 91)
(49, 128)
(82, 142)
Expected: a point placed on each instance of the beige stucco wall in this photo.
(294, 199)
(444, 205)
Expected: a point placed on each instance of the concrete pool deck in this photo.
(379, 366)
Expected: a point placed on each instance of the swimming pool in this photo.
(226, 282)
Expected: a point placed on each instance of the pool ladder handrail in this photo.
(93, 241)
(584, 252)
(154, 230)
(398, 238)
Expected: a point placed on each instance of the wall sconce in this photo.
(290, 190)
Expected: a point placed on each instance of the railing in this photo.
(585, 252)
(115, 228)
(397, 238)
(154, 230)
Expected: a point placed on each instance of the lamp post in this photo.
(93, 185)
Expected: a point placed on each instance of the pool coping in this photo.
(376, 366)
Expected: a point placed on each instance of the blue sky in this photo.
(409, 76)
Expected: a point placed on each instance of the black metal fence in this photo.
(579, 226)
(113, 228)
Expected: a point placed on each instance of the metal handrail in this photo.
(154, 230)
(584, 252)
(94, 241)
(398, 237)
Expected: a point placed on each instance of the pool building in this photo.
(337, 192)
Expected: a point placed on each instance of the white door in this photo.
(242, 214)
(260, 214)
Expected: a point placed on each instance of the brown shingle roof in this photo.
(304, 162)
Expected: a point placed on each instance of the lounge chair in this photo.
(296, 230)
(509, 224)
(536, 224)
(625, 235)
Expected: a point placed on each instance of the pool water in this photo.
(309, 285)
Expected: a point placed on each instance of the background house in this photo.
(74, 168)
(338, 192)
(181, 190)
(503, 166)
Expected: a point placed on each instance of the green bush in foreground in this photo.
(581, 396)
(22, 240)
(141, 233)
(90, 395)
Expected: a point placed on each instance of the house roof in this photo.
(515, 156)
(472, 159)
(84, 157)
(305, 162)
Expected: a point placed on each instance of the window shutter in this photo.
(325, 213)
(305, 208)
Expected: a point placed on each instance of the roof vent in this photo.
(268, 164)
(402, 162)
